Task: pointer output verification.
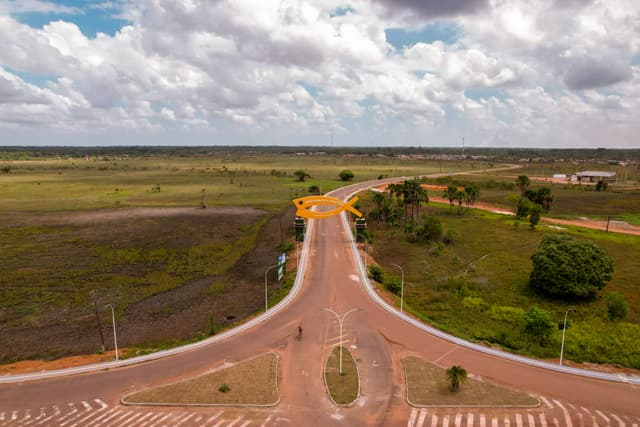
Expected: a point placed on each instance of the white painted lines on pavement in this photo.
(482, 421)
(412, 418)
(469, 419)
(494, 422)
(434, 420)
(518, 420)
(458, 420)
(423, 415)
(531, 420)
(567, 418)
(620, 422)
(604, 417)
(543, 420)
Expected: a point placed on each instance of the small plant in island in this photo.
(456, 375)
(616, 306)
(224, 388)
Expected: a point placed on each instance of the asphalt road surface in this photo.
(377, 340)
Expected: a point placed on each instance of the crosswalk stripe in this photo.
(507, 422)
(153, 417)
(581, 419)
(543, 420)
(458, 420)
(147, 415)
(567, 418)
(219, 423)
(197, 419)
(531, 420)
(161, 419)
(264, 424)
(594, 422)
(434, 420)
(482, 421)
(585, 410)
(423, 415)
(1, 416)
(101, 403)
(104, 414)
(86, 405)
(235, 421)
(556, 422)
(246, 423)
(445, 421)
(115, 414)
(412, 417)
(620, 422)
(546, 402)
(14, 415)
(494, 422)
(92, 414)
(125, 419)
(604, 417)
(211, 419)
(518, 420)
(56, 412)
(184, 420)
(469, 419)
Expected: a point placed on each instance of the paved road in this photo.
(376, 339)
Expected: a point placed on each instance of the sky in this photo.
(484, 73)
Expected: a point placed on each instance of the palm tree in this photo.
(522, 182)
(457, 375)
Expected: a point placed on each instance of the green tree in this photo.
(616, 306)
(523, 208)
(538, 324)
(534, 216)
(456, 375)
(522, 182)
(430, 230)
(6, 168)
(450, 193)
(472, 193)
(376, 273)
(569, 268)
(601, 185)
(314, 189)
(346, 175)
(301, 175)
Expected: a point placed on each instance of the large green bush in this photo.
(569, 268)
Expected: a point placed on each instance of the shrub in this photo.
(301, 175)
(616, 306)
(538, 324)
(314, 189)
(376, 273)
(346, 175)
(449, 236)
(565, 267)
(6, 169)
(393, 285)
(430, 230)
(506, 313)
(224, 388)
(473, 303)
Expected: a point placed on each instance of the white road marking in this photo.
(126, 420)
(546, 402)
(56, 412)
(219, 423)
(518, 420)
(581, 419)
(235, 421)
(246, 423)
(266, 421)
(482, 421)
(620, 422)
(458, 420)
(412, 418)
(434, 420)
(68, 414)
(556, 422)
(423, 415)
(543, 420)
(184, 420)
(93, 414)
(14, 415)
(585, 410)
(494, 422)
(150, 420)
(567, 418)
(161, 419)
(507, 422)
(1, 416)
(87, 407)
(445, 421)
(147, 415)
(213, 418)
(101, 403)
(531, 420)
(469, 419)
(606, 419)
(115, 414)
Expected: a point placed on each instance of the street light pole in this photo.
(564, 329)
(366, 252)
(401, 285)
(340, 320)
(113, 320)
(266, 294)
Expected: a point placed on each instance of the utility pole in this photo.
(95, 306)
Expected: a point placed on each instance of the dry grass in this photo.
(253, 382)
(344, 388)
(427, 385)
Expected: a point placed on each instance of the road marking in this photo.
(184, 420)
(567, 419)
(531, 420)
(114, 415)
(445, 421)
(150, 420)
(423, 415)
(507, 422)
(109, 414)
(126, 419)
(556, 422)
(87, 407)
(147, 415)
(620, 422)
(412, 418)
(219, 423)
(161, 419)
(581, 419)
(93, 414)
(606, 419)
(469, 419)
(585, 410)
(68, 414)
(482, 421)
(246, 423)
(55, 413)
(543, 420)
(101, 403)
(213, 418)
(518, 420)
(546, 402)
(434, 420)
(14, 415)
(458, 420)
(267, 420)
(1, 416)
(494, 422)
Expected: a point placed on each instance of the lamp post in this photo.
(266, 294)
(564, 329)
(401, 285)
(113, 320)
(366, 252)
(340, 321)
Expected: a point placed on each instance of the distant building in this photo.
(559, 176)
(592, 176)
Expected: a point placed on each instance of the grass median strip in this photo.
(428, 385)
(249, 383)
(343, 388)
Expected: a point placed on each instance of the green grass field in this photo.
(487, 303)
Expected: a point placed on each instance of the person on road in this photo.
(299, 331)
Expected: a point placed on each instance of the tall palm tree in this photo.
(457, 375)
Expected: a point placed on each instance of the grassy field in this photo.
(477, 287)
(129, 228)
(428, 385)
(253, 382)
(343, 388)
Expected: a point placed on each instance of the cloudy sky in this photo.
(529, 73)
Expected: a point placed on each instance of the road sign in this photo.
(281, 261)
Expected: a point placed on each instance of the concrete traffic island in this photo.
(428, 386)
(249, 383)
(343, 388)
